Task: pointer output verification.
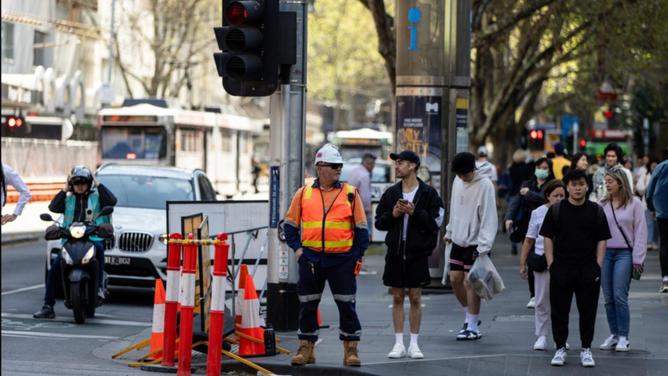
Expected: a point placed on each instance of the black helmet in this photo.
(80, 174)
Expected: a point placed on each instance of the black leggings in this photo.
(663, 250)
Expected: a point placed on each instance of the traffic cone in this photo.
(243, 273)
(157, 330)
(251, 322)
(319, 319)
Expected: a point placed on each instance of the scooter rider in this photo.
(82, 199)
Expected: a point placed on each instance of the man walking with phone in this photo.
(411, 212)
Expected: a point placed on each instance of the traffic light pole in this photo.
(288, 117)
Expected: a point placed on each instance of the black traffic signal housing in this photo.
(254, 38)
(536, 139)
(13, 125)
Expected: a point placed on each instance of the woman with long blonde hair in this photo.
(625, 255)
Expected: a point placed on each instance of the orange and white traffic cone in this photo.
(251, 322)
(243, 273)
(157, 331)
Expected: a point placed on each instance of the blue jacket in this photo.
(657, 191)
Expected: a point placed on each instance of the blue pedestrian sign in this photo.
(414, 16)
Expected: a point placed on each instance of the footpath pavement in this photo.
(507, 328)
(27, 226)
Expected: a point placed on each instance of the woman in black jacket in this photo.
(519, 211)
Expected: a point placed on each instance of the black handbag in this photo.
(537, 263)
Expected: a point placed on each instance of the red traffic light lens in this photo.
(608, 114)
(533, 134)
(19, 122)
(540, 135)
(236, 13)
(11, 122)
(583, 143)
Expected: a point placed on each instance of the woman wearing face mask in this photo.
(534, 254)
(519, 210)
(581, 162)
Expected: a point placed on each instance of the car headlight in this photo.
(89, 255)
(77, 231)
(163, 238)
(66, 257)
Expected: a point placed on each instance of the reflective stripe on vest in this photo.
(93, 203)
(336, 227)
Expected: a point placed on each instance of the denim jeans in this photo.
(53, 277)
(652, 228)
(615, 281)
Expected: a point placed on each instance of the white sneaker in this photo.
(532, 303)
(559, 357)
(586, 358)
(540, 343)
(414, 352)
(623, 345)
(398, 351)
(609, 343)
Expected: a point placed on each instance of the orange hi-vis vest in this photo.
(330, 232)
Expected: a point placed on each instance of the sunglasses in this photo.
(333, 166)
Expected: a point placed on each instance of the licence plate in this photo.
(113, 260)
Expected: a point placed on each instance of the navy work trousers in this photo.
(343, 285)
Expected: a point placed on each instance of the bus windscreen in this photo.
(133, 143)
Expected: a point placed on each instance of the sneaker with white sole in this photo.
(559, 358)
(609, 343)
(398, 351)
(587, 358)
(540, 343)
(469, 335)
(623, 345)
(414, 352)
(532, 303)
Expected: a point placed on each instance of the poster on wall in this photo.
(419, 129)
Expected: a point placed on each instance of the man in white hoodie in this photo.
(471, 229)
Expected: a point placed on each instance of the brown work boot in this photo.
(350, 357)
(305, 354)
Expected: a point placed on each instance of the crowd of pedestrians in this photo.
(581, 232)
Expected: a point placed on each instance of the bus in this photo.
(219, 144)
(356, 143)
(598, 139)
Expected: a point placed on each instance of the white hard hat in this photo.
(328, 154)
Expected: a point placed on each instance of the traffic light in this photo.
(13, 125)
(253, 40)
(536, 139)
(583, 144)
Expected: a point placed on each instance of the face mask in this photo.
(541, 174)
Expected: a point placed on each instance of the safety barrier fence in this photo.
(179, 300)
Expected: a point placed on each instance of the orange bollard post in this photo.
(171, 300)
(217, 312)
(187, 299)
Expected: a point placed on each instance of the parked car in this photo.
(138, 254)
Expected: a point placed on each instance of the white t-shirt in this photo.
(536, 221)
(408, 196)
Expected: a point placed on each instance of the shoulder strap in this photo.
(612, 208)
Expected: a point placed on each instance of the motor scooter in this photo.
(79, 266)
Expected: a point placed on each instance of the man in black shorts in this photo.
(411, 212)
(471, 229)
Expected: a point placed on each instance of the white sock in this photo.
(473, 322)
(665, 278)
(466, 313)
(414, 338)
(399, 338)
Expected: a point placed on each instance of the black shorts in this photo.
(410, 273)
(461, 258)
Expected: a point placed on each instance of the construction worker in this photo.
(327, 228)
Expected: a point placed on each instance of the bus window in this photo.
(133, 143)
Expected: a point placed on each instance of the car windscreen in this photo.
(147, 192)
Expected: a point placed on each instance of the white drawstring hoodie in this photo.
(473, 218)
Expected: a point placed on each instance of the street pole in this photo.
(106, 91)
(432, 88)
(288, 121)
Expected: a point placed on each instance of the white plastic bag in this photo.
(484, 278)
(446, 266)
